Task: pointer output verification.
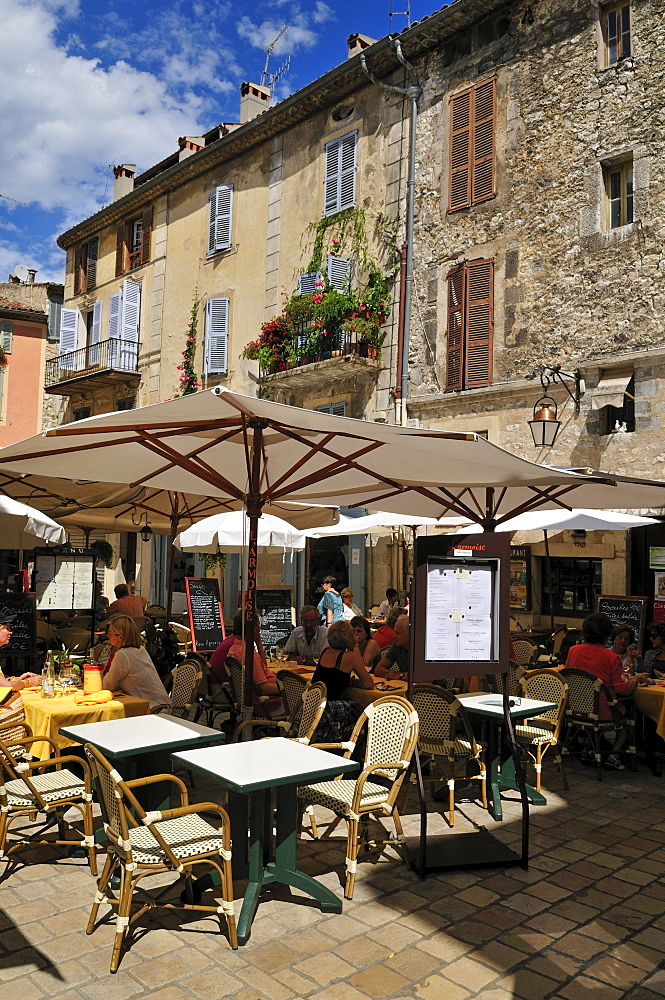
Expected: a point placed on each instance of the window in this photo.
(307, 283)
(618, 179)
(128, 403)
(85, 265)
(576, 583)
(69, 320)
(132, 247)
(472, 146)
(336, 409)
(614, 398)
(340, 180)
(221, 219)
(470, 325)
(54, 311)
(616, 33)
(124, 324)
(82, 413)
(215, 359)
(6, 335)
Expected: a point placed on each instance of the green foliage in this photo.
(215, 559)
(104, 550)
(188, 380)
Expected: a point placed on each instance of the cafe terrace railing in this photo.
(112, 354)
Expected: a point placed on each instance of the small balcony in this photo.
(109, 363)
(345, 356)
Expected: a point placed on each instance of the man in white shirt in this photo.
(309, 639)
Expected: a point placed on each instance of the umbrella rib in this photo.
(172, 426)
(532, 504)
(313, 450)
(184, 462)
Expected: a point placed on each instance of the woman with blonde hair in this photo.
(337, 664)
(132, 670)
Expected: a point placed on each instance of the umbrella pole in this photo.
(253, 504)
(549, 579)
(174, 531)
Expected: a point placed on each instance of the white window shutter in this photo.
(340, 180)
(115, 306)
(69, 321)
(339, 273)
(6, 336)
(307, 282)
(221, 218)
(216, 336)
(129, 331)
(95, 334)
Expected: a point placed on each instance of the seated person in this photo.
(395, 661)
(25, 680)
(365, 645)
(336, 667)
(265, 683)
(593, 656)
(350, 610)
(218, 658)
(132, 670)
(654, 658)
(309, 639)
(126, 603)
(623, 644)
(385, 636)
(390, 602)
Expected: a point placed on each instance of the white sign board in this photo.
(459, 612)
(64, 583)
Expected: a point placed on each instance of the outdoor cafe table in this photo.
(253, 770)
(141, 746)
(47, 716)
(651, 701)
(356, 695)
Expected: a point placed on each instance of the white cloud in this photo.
(322, 13)
(300, 33)
(64, 118)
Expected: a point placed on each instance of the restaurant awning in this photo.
(610, 390)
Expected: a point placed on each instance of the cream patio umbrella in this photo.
(229, 533)
(23, 527)
(234, 447)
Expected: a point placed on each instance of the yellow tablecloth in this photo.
(45, 716)
(651, 701)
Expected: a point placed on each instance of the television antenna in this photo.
(399, 13)
(270, 79)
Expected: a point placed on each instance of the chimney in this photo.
(253, 100)
(357, 43)
(124, 179)
(189, 144)
(31, 275)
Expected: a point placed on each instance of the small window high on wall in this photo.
(615, 20)
(619, 200)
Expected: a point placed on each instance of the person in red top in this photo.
(593, 656)
(126, 603)
(385, 635)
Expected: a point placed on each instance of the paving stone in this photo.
(361, 951)
(170, 967)
(498, 956)
(656, 983)
(444, 948)
(552, 924)
(532, 986)
(324, 968)
(616, 973)
(636, 954)
(438, 988)
(379, 981)
(470, 974)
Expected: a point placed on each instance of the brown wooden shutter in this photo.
(460, 151)
(455, 328)
(120, 249)
(146, 233)
(483, 142)
(91, 263)
(479, 325)
(78, 269)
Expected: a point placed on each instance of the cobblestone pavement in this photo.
(586, 922)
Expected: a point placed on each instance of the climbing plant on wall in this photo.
(188, 379)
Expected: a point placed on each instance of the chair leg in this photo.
(89, 831)
(100, 895)
(122, 919)
(451, 801)
(562, 771)
(483, 787)
(351, 858)
(312, 822)
(597, 754)
(538, 766)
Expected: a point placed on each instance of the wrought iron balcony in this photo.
(94, 367)
(344, 356)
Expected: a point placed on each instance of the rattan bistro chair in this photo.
(446, 740)
(29, 787)
(524, 651)
(392, 732)
(537, 735)
(303, 720)
(187, 677)
(175, 840)
(583, 715)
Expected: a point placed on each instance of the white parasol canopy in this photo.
(22, 527)
(229, 533)
(379, 523)
(572, 520)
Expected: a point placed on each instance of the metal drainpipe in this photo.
(413, 92)
(396, 393)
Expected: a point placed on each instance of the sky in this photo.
(85, 84)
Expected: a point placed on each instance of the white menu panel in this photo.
(459, 612)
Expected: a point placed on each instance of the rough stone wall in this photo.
(564, 288)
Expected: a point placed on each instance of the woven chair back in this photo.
(109, 795)
(392, 732)
(547, 685)
(234, 670)
(186, 680)
(523, 653)
(293, 686)
(438, 718)
(583, 693)
(313, 703)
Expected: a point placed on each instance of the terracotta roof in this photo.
(8, 305)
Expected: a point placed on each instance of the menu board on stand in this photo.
(276, 614)
(205, 613)
(64, 578)
(631, 611)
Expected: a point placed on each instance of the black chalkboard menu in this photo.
(205, 619)
(21, 612)
(275, 610)
(631, 611)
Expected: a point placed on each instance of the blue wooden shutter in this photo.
(69, 320)
(131, 314)
(95, 334)
(340, 178)
(216, 336)
(307, 282)
(221, 217)
(339, 273)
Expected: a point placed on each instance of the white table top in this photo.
(246, 767)
(122, 737)
(491, 705)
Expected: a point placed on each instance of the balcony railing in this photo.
(109, 355)
(338, 344)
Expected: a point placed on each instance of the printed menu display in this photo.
(459, 612)
(64, 582)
